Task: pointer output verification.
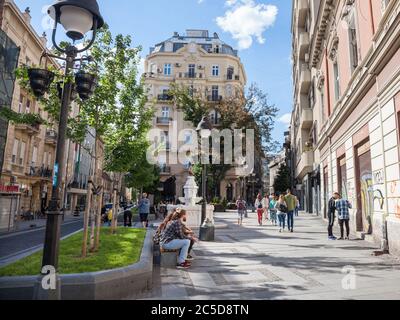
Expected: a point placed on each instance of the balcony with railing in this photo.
(165, 97)
(190, 75)
(40, 172)
(305, 164)
(302, 11)
(306, 118)
(51, 137)
(29, 128)
(232, 77)
(164, 121)
(305, 78)
(304, 43)
(214, 98)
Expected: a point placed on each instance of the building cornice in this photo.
(325, 14)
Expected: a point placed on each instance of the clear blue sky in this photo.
(260, 28)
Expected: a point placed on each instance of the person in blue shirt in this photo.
(144, 210)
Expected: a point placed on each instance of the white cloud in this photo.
(286, 119)
(200, 1)
(140, 68)
(246, 20)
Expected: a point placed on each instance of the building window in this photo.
(188, 137)
(336, 80)
(28, 106)
(49, 161)
(230, 73)
(165, 112)
(34, 156)
(167, 69)
(22, 153)
(15, 151)
(192, 71)
(20, 103)
(311, 95)
(353, 48)
(214, 93)
(229, 90)
(44, 158)
(215, 71)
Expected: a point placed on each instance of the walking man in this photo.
(331, 217)
(291, 202)
(144, 210)
(342, 206)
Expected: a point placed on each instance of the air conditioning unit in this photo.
(307, 58)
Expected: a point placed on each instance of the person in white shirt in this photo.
(265, 204)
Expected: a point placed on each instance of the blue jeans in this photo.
(290, 219)
(179, 244)
(282, 220)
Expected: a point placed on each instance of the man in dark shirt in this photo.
(331, 217)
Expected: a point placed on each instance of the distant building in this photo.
(201, 62)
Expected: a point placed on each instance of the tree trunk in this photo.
(86, 220)
(98, 223)
(115, 212)
(95, 202)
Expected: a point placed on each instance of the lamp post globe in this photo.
(77, 17)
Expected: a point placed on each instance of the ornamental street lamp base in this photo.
(207, 233)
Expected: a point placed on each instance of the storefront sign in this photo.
(9, 189)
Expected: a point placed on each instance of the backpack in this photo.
(241, 205)
(283, 208)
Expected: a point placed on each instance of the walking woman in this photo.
(281, 209)
(241, 209)
(272, 210)
(265, 203)
(260, 210)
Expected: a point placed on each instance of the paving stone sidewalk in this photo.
(253, 262)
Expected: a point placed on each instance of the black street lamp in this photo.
(77, 17)
(204, 130)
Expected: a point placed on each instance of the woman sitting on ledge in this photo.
(173, 238)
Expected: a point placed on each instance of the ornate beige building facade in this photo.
(30, 149)
(200, 62)
(345, 125)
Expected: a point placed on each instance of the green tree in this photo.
(116, 111)
(282, 179)
(240, 110)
